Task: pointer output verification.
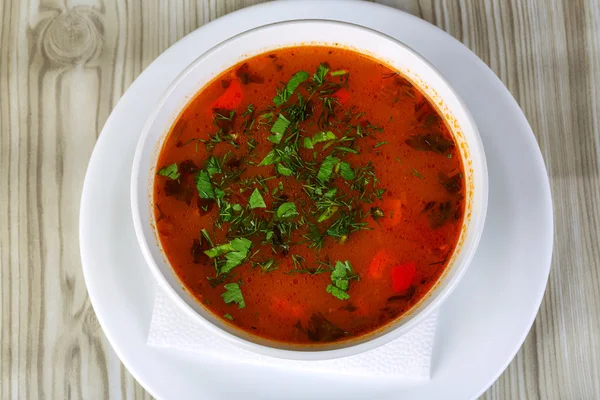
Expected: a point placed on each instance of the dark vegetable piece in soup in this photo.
(309, 195)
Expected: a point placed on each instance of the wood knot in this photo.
(74, 36)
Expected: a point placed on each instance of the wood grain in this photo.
(63, 65)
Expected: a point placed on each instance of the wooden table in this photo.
(63, 66)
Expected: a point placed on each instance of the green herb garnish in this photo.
(346, 224)
(346, 171)
(278, 129)
(233, 294)
(328, 213)
(227, 212)
(283, 170)
(416, 173)
(319, 76)
(213, 166)
(290, 88)
(256, 200)
(340, 280)
(346, 149)
(326, 168)
(270, 158)
(267, 266)
(170, 171)
(204, 185)
(287, 210)
(339, 72)
(337, 292)
(319, 137)
(235, 253)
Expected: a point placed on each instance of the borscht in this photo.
(309, 194)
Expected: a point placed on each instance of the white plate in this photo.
(483, 323)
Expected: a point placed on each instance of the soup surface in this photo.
(309, 195)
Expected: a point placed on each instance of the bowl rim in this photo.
(417, 316)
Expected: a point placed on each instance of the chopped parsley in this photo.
(326, 168)
(256, 200)
(271, 158)
(340, 280)
(346, 149)
(234, 252)
(285, 94)
(214, 166)
(287, 211)
(319, 76)
(283, 170)
(319, 138)
(278, 129)
(328, 213)
(333, 164)
(233, 294)
(346, 171)
(170, 171)
(339, 72)
(204, 185)
(267, 266)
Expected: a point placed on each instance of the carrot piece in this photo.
(342, 96)
(382, 260)
(403, 275)
(231, 98)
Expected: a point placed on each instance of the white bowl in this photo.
(293, 33)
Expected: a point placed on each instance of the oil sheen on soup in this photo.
(309, 195)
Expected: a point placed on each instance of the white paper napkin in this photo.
(406, 357)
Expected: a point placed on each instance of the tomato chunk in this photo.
(382, 260)
(403, 275)
(231, 98)
(342, 96)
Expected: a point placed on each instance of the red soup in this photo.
(309, 195)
